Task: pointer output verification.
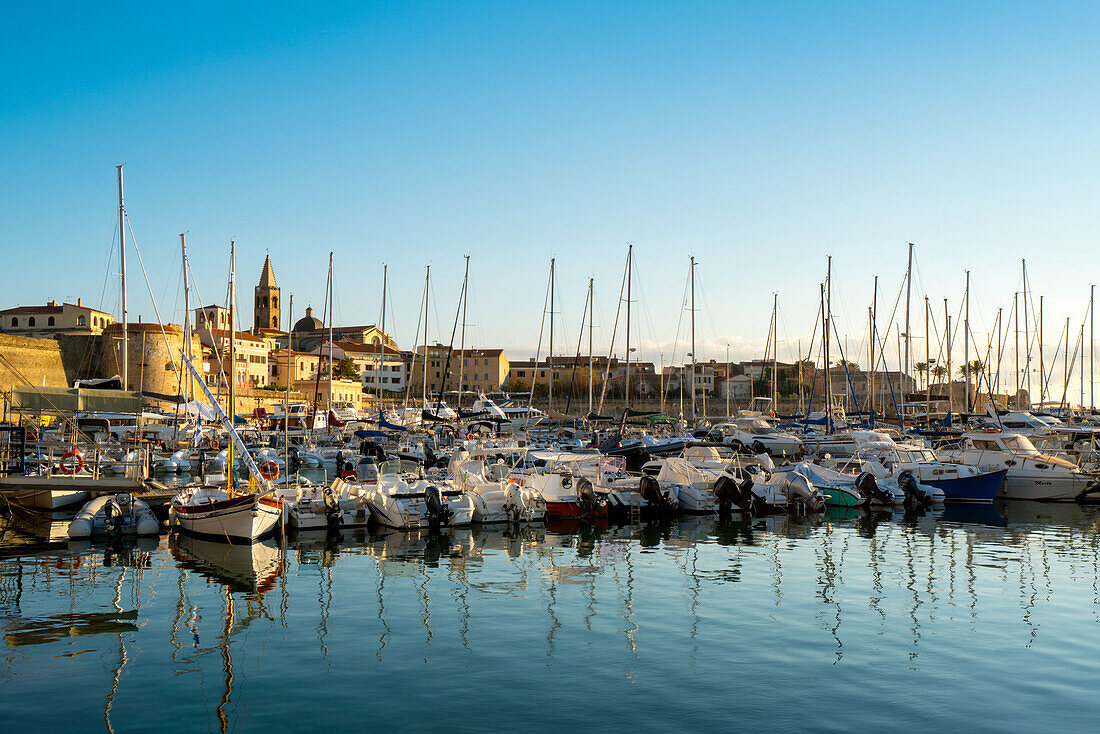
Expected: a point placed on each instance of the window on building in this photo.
(14, 321)
(30, 321)
(50, 322)
(81, 321)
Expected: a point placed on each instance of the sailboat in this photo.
(221, 511)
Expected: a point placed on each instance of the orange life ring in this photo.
(71, 463)
(471, 436)
(213, 443)
(269, 470)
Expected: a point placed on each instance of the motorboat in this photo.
(497, 496)
(758, 435)
(1031, 474)
(404, 498)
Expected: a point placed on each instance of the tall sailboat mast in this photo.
(382, 341)
(966, 342)
(424, 393)
(122, 279)
(232, 479)
(828, 314)
(331, 368)
(927, 362)
(462, 340)
(775, 350)
(186, 318)
(1027, 337)
(591, 307)
(1042, 362)
(908, 289)
(550, 354)
(694, 417)
(629, 274)
(874, 339)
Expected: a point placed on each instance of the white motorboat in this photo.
(403, 498)
(1032, 475)
(497, 496)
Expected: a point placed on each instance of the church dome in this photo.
(308, 323)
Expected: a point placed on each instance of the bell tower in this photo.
(267, 299)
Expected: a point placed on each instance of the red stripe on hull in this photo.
(564, 510)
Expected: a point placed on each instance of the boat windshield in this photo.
(1019, 444)
(399, 466)
(757, 426)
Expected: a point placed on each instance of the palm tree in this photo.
(939, 372)
(922, 370)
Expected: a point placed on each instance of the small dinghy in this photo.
(113, 516)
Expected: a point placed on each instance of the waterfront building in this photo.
(53, 319)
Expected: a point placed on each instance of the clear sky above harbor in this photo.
(758, 136)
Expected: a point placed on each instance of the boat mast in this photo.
(382, 340)
(286, 393)
(462, 339)
(424, 394)
(331, 367)
(966, 343)
(629, 274)
(186, 317)
(927, 364)
(591, 306)
(694, 418)
(1092, 350)
(874, 338)
(775, 350)
(1065, 369)
(825, 352)
(947, 339)
(1042, 363)
(550, 353)
(1016, 350)
(231, 477)
(122, 262)
(908, 288)
(1027, 338)
(828, 312)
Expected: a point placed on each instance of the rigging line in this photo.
(538, 350)
(710, 312)
(416, 338)
(646, 310)
(680, 319)
(213, 341)
(156, 311)
(614, 332)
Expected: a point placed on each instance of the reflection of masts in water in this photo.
(425, 606)
(324, 598)
(122, 659)
(1028, 592)
(555, 623)
(874, 553)
(181, 609)
(227, 661)
(382, 638)
(829, 581)
(911, 584)
(461, 592)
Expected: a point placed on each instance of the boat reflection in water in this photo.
(641, 610)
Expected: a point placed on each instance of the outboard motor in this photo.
(587, 496)
(438, 512)
(294, 462)
(650, 489)
(868, 487)
(914, 497)
(729, 494)
(332, 508)
(114, 515)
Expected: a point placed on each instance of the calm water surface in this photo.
(982, 619)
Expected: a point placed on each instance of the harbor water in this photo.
(972, 618)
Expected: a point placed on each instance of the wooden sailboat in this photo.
(219, 512)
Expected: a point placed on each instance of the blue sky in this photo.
(756, 136)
